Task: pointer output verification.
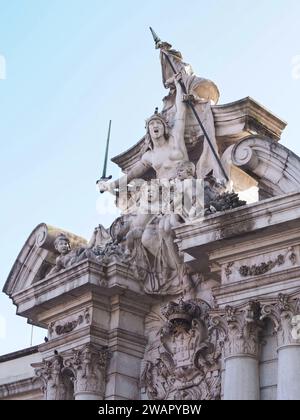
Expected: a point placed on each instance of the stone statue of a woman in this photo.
(164, 147)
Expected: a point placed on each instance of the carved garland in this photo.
(69, 326)
(264, 267)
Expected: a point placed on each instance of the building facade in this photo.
(193, 293)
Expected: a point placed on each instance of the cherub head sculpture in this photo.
(185, 170)
(62, 244)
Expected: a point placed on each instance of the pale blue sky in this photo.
(74, 64)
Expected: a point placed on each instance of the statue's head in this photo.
(156, 127)
(62, 244)
(185, 170)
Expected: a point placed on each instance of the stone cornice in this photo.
(18, 354)
(238, 226)
(85, 276)
(16, 389)
(269, 285)
(130, 344)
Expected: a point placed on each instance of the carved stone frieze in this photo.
(228, 269)
(69, 325)
(263, 268)
(284, 259)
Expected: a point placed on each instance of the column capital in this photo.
(239, 328)
(284, 312)
(88, 363)
(49, 373)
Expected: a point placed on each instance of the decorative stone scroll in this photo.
(275, 166)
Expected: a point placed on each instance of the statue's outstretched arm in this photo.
(137, 171)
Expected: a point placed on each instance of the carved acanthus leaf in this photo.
(285, 316)
(89, 366)
(238, 327)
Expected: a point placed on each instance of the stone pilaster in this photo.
(285, 315)
(239, 328)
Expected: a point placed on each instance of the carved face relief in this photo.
(63, 246)
(185, 171)
(156, 129)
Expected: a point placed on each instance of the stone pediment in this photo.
(36, 258)
(233, 122)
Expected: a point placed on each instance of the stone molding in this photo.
(28, 387)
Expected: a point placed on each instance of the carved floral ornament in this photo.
(86, 368)
(70, 324)
(238, 328)
(285, 316)
(264, 267)
(183, 361)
